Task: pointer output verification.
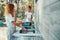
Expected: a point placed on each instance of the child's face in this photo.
(28, 9)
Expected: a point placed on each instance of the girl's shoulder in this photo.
(8, 15)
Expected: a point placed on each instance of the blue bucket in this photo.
(27, 24)
(1, 23)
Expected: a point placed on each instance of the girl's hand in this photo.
(22, 22)
(18, 24)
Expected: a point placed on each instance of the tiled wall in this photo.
(50, 19)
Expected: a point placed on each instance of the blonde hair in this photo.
(9, 9)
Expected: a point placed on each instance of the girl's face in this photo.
(10, 9)
(28, 9)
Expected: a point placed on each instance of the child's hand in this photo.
(18, 24)
(23, 22)
(32, 21)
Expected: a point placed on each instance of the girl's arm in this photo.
(17, 23)
(31, 19)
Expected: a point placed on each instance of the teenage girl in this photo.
(10, 21)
